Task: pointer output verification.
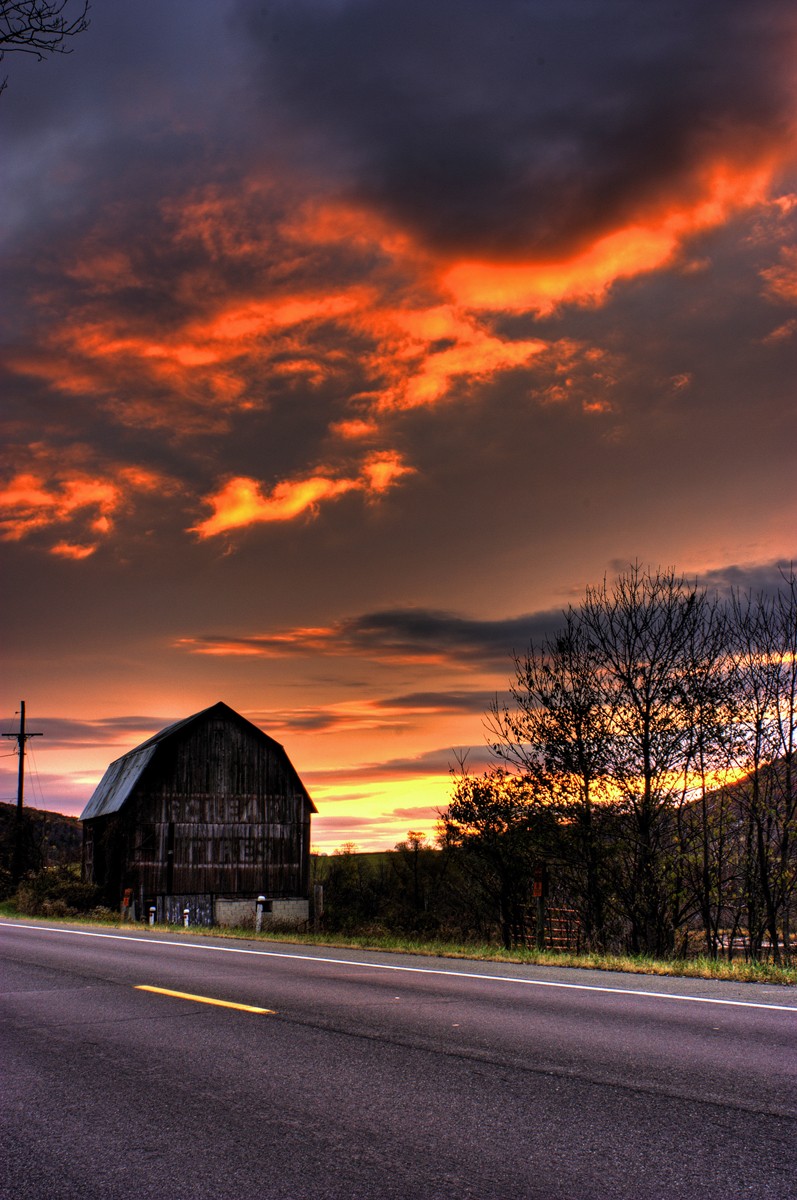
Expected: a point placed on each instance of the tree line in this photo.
(647, 753)
(644, 766)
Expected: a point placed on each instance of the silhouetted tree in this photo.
(556, 731)
(501, 831)
(646, 630)
(764, 659)
(40, 27)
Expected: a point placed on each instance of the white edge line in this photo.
(347, 962)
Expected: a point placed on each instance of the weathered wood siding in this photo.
(220, 811)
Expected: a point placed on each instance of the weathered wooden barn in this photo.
(209, 810)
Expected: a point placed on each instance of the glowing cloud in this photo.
(781, 280)
(30, 503)
(644, 245)
(241, 501)
(420, 352)
(354, 429)
(380, 471)
(400, 635)
(393, 327)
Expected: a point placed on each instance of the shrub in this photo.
(55, 892)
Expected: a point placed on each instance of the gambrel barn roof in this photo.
(123, 775)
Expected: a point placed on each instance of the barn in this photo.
(204, 816)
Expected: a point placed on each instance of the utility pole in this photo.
(18, 865)
(21, 738)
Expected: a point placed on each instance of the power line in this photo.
(21, 738)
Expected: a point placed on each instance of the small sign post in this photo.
(539, 891)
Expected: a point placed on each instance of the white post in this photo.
(186, 915)
(261, 904)
(152, 912)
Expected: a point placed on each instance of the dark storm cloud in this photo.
(488, 128)
(406, 633)
(397, 635)
(765, 579)
(440, 702)
(111, 731)
(379, 715)
(316, 721)
(433, 762)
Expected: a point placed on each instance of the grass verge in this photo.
(699, 967)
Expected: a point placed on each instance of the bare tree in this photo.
(648, 633)
(40, 27)
(700, 824)
(556, 731)
(764, 656)
(657, 732)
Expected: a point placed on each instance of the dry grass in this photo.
(699, 967)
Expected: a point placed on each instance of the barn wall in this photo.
(218, 811)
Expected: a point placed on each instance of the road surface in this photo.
(380, 1076)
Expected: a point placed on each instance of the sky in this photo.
(346, 342)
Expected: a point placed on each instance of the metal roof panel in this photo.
(118, 782)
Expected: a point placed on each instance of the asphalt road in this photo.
(383, 1076)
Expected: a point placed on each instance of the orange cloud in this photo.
(73, 551)
(192, 377)
(354, 429)
(276, 645)
(422, 351)
(235, 325)
(226, 226)
(781, 280)
(381, 470)
(647, 244)
(104, 270)
(412, 337)
(332, 641)
(30, 503)
(241, 501)
(419, 352)
(329, 222)
(208, 367)
(406, 636)
(571, 372)
(782, 333)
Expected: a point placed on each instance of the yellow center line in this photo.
(144, 987)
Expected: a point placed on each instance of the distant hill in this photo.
(53, 838)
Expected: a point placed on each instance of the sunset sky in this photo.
(347, 341)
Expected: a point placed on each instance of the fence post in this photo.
(539, 891)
